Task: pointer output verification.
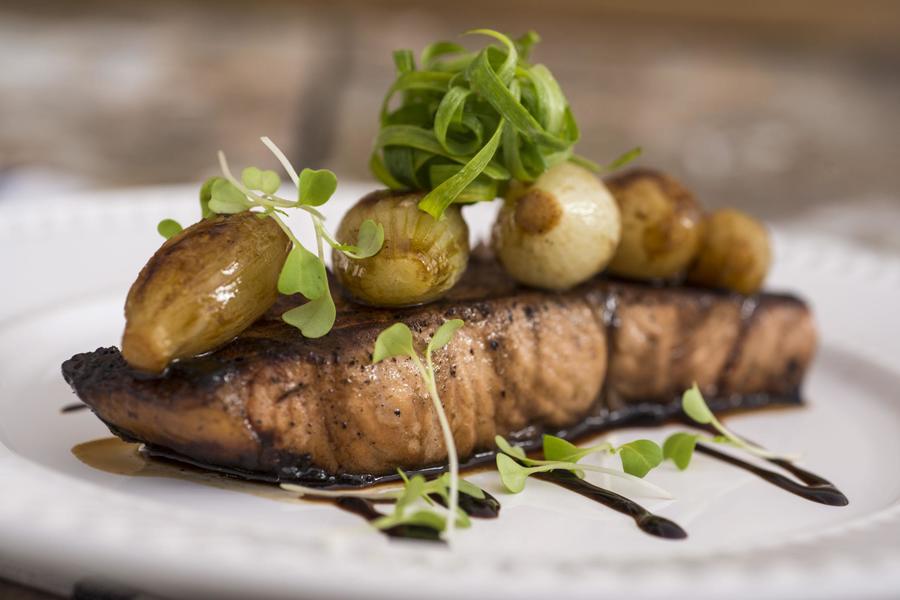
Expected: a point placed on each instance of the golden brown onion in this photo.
(202, 288)
(735, 253)
(421, 258)
(661, 225)
(559, 231)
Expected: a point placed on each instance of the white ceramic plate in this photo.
(65, 271)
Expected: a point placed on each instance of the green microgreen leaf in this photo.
(515, 468)
(694, 406)
(206, 196)
(252, 178)
(315, 318)
(556, 448)
(415, 491)
(519, 454)
(226, 199)
(444, 334)
(369, 241)
(303, 273)
(624, 159)
(512, 474)
(465, 487)
(511, 450)
(396, 340)
(169, 228)
(420, 518)
(316, 186)
(266, 181)
(679, 448)
(640, 457)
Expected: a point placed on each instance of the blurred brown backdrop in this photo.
(779, 107)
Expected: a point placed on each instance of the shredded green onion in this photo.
(469, 122)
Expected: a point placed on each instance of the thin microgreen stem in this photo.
(319, 493)
(320, 246)
(288, 167)
(584, 452)
(330, 240)
(277, 200)
(550, 465)
(741, 443)
(453, 459)
(346, 248)
(287, 230)
(311, 211)
(317, 217)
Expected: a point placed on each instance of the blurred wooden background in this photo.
(789, 109)
(774, 105)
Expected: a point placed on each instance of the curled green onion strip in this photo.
(468, 122)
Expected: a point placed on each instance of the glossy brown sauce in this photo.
(643, 518)
(365, 509)
(810, 486)
(117, 457)
(112, 455)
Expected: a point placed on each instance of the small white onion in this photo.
(559, 231)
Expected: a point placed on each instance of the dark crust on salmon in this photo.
(275, 406)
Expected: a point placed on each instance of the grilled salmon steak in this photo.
(274, 405)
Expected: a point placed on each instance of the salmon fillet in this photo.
(274, 405)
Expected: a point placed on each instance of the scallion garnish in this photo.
(468, 122)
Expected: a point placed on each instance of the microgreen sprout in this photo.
(469, 122)
(413, 503)
(396, 341)
(437, 486)
(169, 228)
(415, 507)
(638, 457)
(679, 447)
(303, 271)
(515, 467)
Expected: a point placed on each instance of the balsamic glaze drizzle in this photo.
(365, 509)
(814, 488)
(486, 508)
(75, 406)
(645, 520)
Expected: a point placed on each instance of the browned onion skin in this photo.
(735, 253)
(202, 288)
(661, 226)
(421, 258)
